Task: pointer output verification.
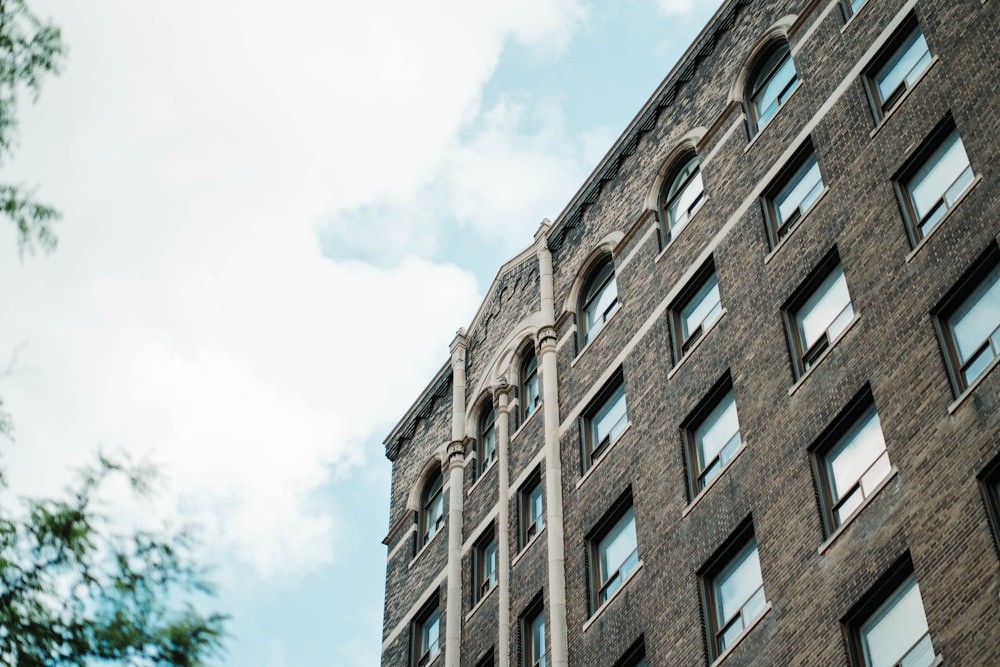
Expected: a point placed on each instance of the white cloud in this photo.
(676, 7)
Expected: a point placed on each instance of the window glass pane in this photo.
(823, 307)
(702, 309)
(430, 633)
(895, 627)
(977, 318)
(530, 389)
(801, 191)
(721, 426)
(858, 450)
(943, 168)
(906, 65)
(535, 506)
(772, 92)
(856, 5)
(738, 582)
(601, 299)
(617, 545)
(686, 194)
(537, 632)
(612, 418)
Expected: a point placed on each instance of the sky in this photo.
(275, 218)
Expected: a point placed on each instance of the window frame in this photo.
(921, 157)
(534, 613)
(683, 344)
(486, 433)
(673, 190)
(528, 379)
(974, 277)
(635, 656)
(847, 6)
(890, 54)
(785, 184)
(420, 655)
(989, 484)
(600, 279)
(805, 358)
(766, 67)
(431, 494)
(599, 583)
(594, 448)
(740, 543)
(705, 409)
(524, 499)
(858, 410)
(484, 578)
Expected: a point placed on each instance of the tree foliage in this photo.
(29, 49)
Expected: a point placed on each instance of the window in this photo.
(734, 591)
(534, 638)
(604, 421)
(531, 511)
(889, 629)
(851, 7)
(772, 84)
(530, 394)
(819, 314)
(792, 195)
(851, 460)
(989, 482)
(697, 308)
(614, 552)
(934, 179)
(683, 198)
(713, 435)
(427, 634)
(897, 68)
(635, 656)
(600, 300)
(484, 566)
(970, 321)
(487, 660)
(487, 440)
(432, 508)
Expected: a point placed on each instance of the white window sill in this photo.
(864, 503)
(481, 602)
(687, 355)
(607, 603)
(798, 223)
(701, 494)
(760, 131)
(482, 476)
(674, 237)
(805, 376)
(850, 20)
(520, 554)
(899, 103)
(600, 459)
(972, 387)
(426, 546)
(940, 224)
(527, 421)
(739, 640)
(604, 328)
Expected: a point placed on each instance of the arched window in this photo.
(432, 508)
(487, 440)
(682, 196)
(773, 81)
(600, 300)
(529, 390)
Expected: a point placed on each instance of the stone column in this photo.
(553, 463)
(501, 401)
(455, 467)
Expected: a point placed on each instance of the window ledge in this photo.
(798, 223)
(739, 640)
(425, 547)
(798, 383)
(972, 387)
(687, 225)
(864, 503)
(607, 603)
(701, 494)
(482, 476)
(687, 355)
(753, 142)
(850, 21)
(482, 601)
(527, 421)
(940, 224)
(604, 328)
(600, 459)
(520, 554)
(899, 103)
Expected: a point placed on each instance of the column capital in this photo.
(455, 456)
(545, 338)
(503, 389)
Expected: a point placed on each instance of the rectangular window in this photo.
(696, 309)
(485, 565)
(933, 180)
(427, 634)
(896, 68)
(615, 554)
(532, 513)
(969, 321)
(989, 482)
(792, 194)
(533, 630)
(734, 591)
(713, 435)
(635, 656)
(851, 460)
(604, 421)
(818, 313)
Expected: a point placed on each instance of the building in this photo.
(738, 404)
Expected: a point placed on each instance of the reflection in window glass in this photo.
(856, 465)
(716, 440)
(902, 70)
(739, 595)
(975, 328)
(600, 300)
(685, 196)
(937, 185)
(897, 632)
(775, 82)
(617, 556)
(608, 422)
(797, 196)
(824, 315)
(699, 313)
